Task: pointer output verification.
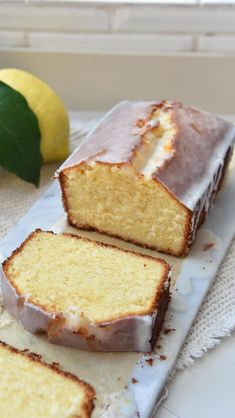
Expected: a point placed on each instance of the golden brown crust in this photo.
(62, 180)
(149, 311)
(90, 393)
(164, 299)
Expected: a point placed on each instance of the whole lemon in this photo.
(47, 107)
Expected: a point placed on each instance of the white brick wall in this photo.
(12, 38)
(62, 18)
(174, 19)
(217, 43)
(127, 43)
(111, 26)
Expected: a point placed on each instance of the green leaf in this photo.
(19, 136)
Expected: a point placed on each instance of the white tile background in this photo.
(128, 26)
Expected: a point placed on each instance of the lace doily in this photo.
(216, 317)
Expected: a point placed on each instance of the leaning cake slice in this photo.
(31, 388)
(86, 294)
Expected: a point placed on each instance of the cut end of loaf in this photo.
(116, 200)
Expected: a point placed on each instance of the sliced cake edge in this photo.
(89, 392)
(130, 333)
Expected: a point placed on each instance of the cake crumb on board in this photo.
(168, 330)
(208, 246)
(150, 361)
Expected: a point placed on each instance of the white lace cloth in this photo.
(216, 318)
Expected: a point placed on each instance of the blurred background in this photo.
(95, 53)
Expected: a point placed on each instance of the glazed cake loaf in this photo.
(86, 294)
(30, 388)
(148, 173)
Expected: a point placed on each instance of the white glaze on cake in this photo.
(73, 329)
(114, 138)
(156, 147)
(118, 404)
(200, 145)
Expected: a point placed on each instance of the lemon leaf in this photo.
(19, 136)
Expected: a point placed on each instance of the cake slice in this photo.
(148, 173)
(86, 294)
(30, 388)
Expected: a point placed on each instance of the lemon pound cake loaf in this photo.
(31, 388)
(148, 173)
(86, 294)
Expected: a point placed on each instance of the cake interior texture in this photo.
(69, 274)
(117, 200)
(29, 388)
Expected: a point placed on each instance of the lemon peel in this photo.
(47, 106)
